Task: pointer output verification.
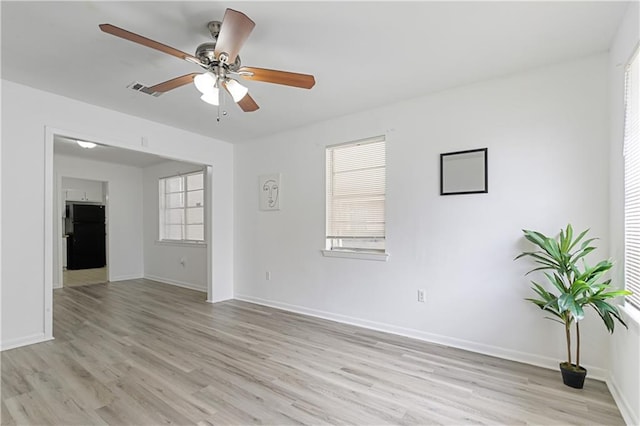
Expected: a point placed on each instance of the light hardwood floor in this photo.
(144, 353)
(76, 277)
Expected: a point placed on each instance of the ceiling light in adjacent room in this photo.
(87, 145)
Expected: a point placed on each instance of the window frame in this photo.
(331, 241)
(630, 261)
(162, 239)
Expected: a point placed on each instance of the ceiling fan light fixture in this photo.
(205, 82)
(237, 90)
(211, 97)
(87, 145)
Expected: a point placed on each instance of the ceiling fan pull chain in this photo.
(222, 101)
(217, 85)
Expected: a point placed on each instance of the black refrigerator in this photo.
(85, 230)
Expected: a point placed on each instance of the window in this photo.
(182, 207)
(632, 181)
(356, 181)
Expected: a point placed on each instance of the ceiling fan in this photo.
(221, 62)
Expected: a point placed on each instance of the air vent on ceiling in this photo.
(139, 87)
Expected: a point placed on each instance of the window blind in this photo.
(356, 183)
(632, 181)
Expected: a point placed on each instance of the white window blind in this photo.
(356, 184)
(632, 180)
(182, 207)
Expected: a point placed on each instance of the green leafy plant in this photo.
(575, 285)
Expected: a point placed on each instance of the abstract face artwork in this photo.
(270, 192)
(270, 187)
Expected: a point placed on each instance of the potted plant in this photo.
(574, 285)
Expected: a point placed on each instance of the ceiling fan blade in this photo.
(174, 83)
(304, 81)
(128, 35)
(234, 31)
(248, 104)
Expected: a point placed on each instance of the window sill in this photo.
(352, 254)
(181, 243)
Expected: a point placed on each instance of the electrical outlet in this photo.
(268, 276)
(421, 295)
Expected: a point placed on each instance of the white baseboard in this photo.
(630, 418)
(125, 277)
(24, 341)
(183, 284)
(219, 300)
(112, 280)
(496, 351)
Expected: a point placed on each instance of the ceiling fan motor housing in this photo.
(205, 52)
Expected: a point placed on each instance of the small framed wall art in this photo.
(269, 190)
(464, 172)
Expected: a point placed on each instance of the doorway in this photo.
(52, 232)
(85, 231)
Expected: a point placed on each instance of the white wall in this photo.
(162, 260)
(547, 135)
(624, 365)
(124, 213)
(27, 113)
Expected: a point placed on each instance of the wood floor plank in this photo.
(31, 408)
(5, 416)
(65, 408)
(145, 353)
(182, 402)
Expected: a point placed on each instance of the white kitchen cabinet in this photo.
(94, 195)
(75, 195)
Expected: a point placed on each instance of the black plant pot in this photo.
(571, 377)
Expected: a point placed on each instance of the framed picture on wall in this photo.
(464, 172)
(269, 189)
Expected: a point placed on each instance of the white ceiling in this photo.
(109, 154)
(363, 54)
